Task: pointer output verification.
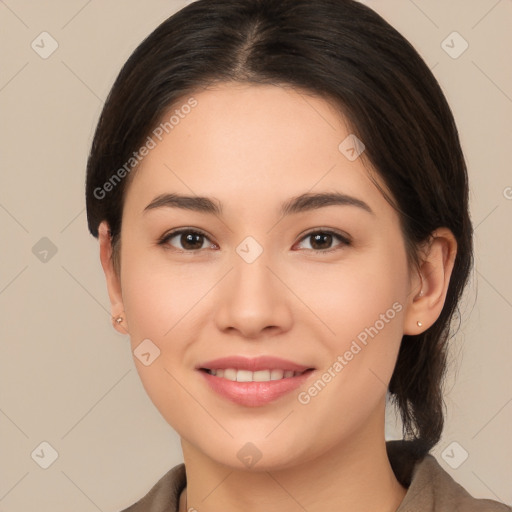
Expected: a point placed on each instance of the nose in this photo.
(253, 301)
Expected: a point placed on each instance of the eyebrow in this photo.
(298, 204)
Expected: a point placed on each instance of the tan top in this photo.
(429, 487)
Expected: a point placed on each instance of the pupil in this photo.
(319, 237)
(188, 241)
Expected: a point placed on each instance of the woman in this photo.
(281, 202)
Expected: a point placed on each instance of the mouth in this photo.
(254, 382)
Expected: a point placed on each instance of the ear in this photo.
(113, 280)
(428, 291)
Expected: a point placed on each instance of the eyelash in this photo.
(345, 241)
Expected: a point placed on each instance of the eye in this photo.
(321, 241)
(188, 240)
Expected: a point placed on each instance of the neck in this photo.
(354, 476)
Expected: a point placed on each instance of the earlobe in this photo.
(425, 306)
(112, 279)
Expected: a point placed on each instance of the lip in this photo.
(252, 364)
(254, 394)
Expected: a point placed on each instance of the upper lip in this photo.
(252, 364)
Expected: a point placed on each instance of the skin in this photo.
(252, 147)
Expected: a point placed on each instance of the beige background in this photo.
(68, 378)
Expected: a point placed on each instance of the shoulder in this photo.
(437, 485)
(164, 495)
(432, 489)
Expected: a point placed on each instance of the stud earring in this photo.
(419, 323)
(119, 320)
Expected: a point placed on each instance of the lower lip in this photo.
(254, 394)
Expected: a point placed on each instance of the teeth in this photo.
(258, 376)
(262, 375)
(243, 376)
(276, 374)
(230, 374)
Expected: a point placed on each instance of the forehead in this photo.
(250, 145)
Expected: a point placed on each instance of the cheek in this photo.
(363, 306)
(159, 295)
(159, 305)
(355, 294)
(367, 318)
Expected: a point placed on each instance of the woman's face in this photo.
(324, 285)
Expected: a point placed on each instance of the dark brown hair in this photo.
(346, 53)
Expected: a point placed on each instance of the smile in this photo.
(242, 387)
(248, 376)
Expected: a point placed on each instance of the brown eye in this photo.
(321, 241)
(185, 240)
